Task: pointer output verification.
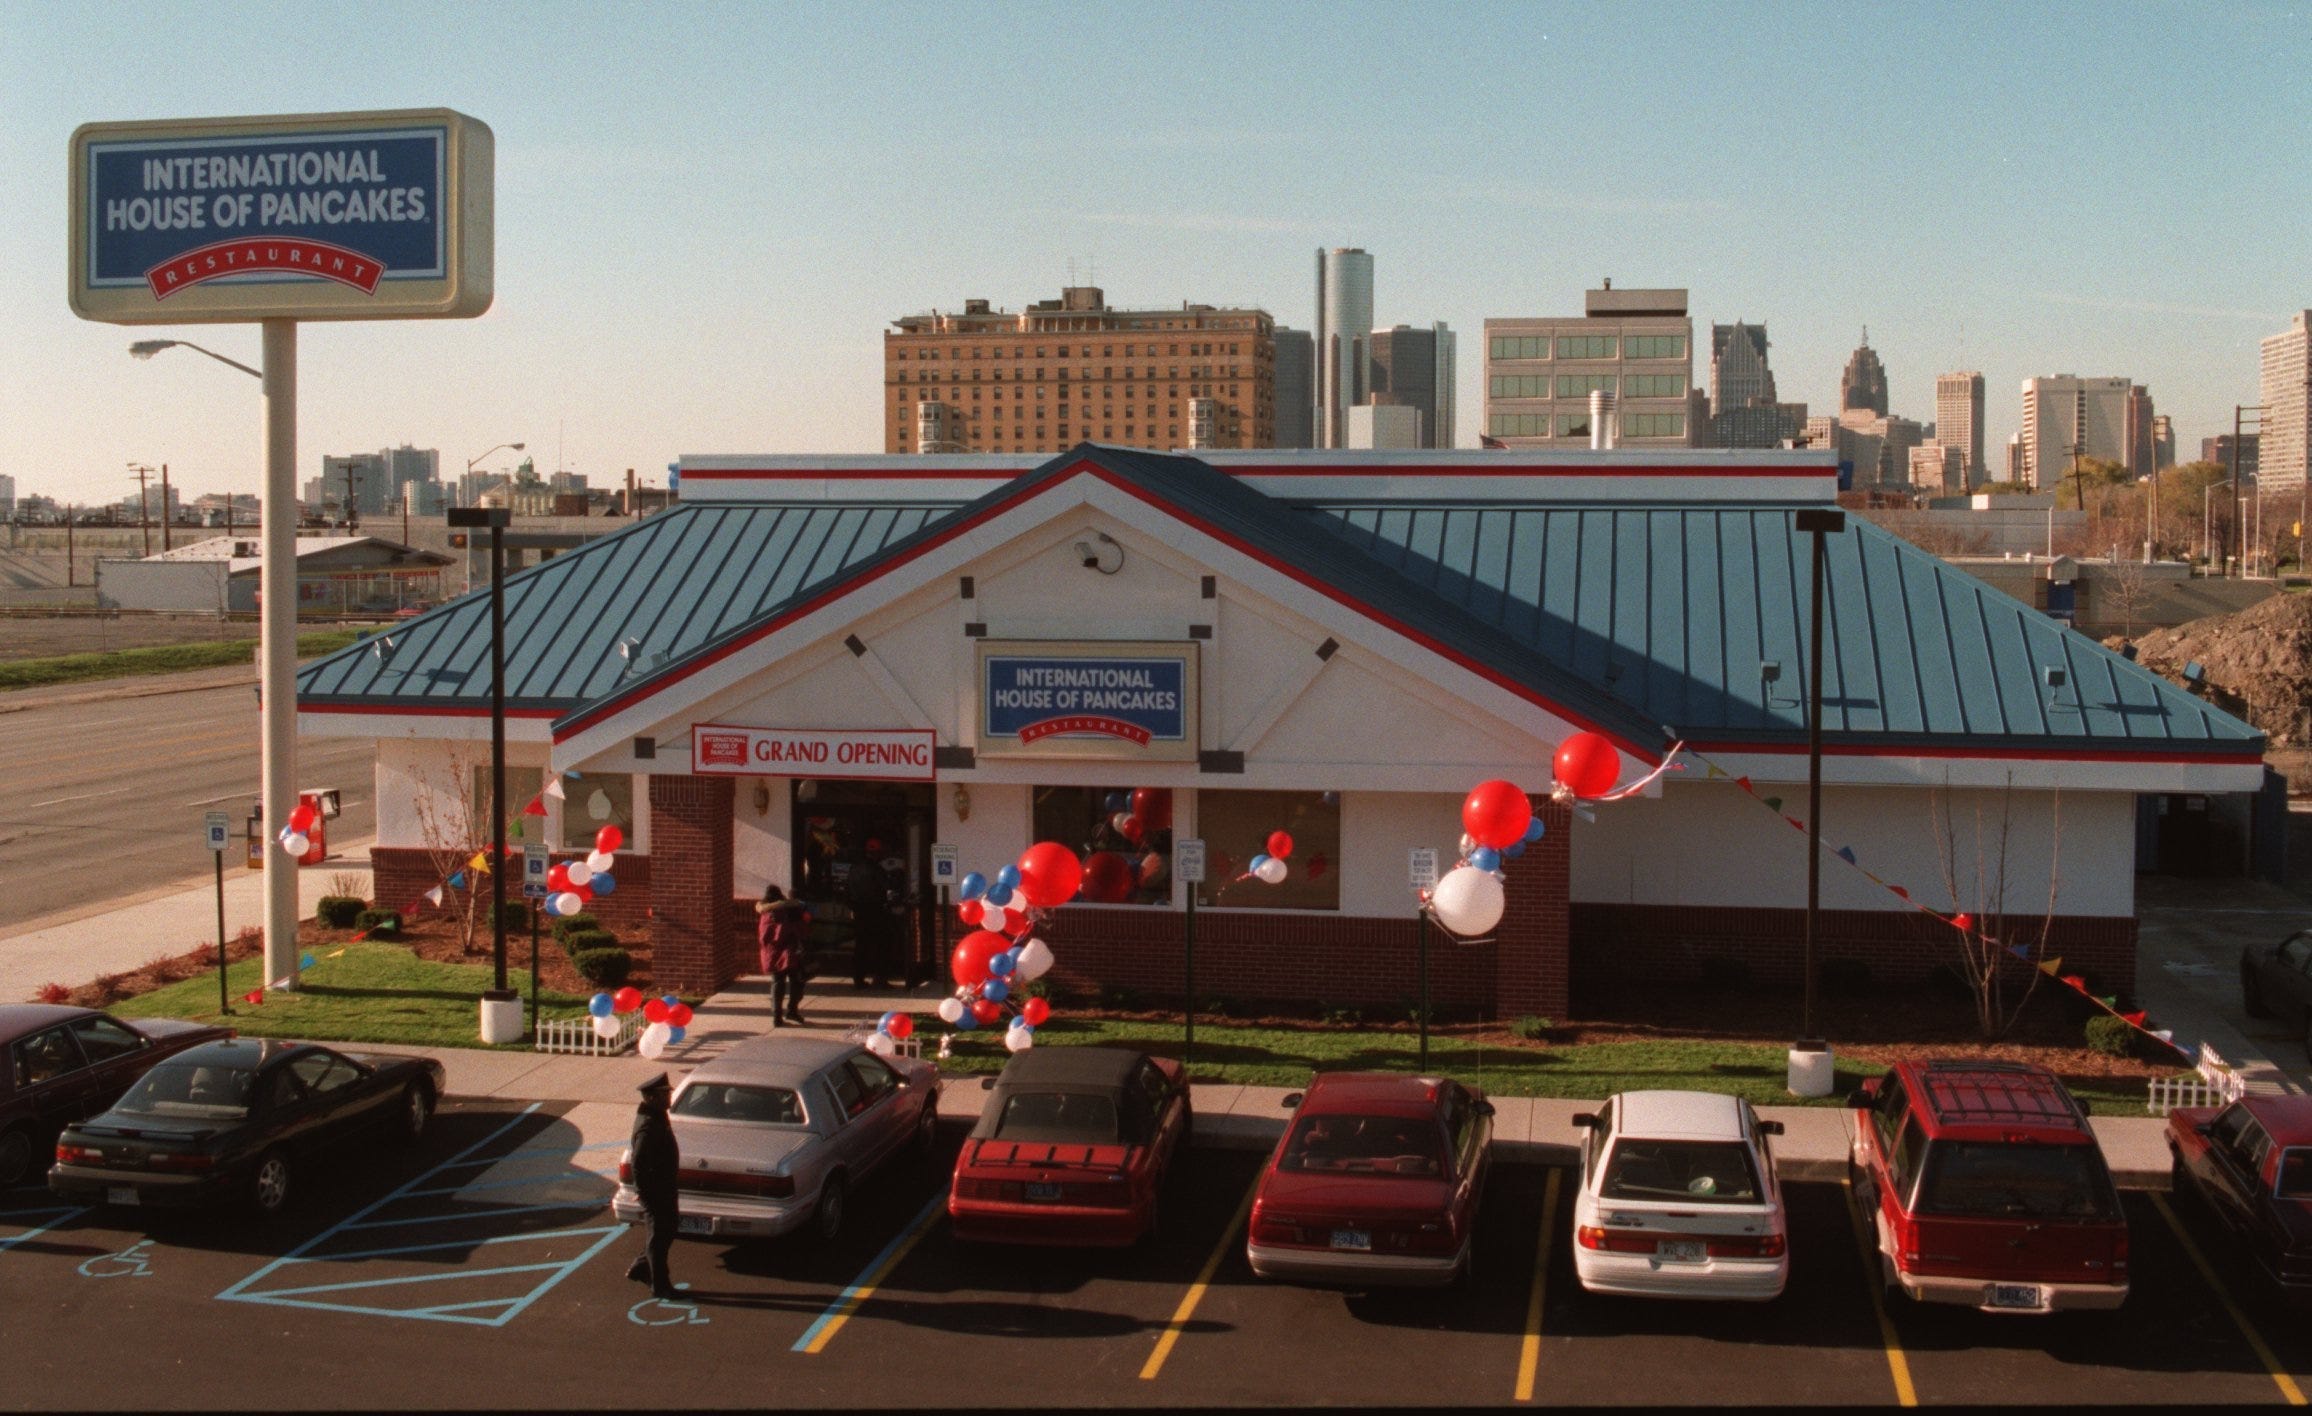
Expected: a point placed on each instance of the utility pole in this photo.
(165, 518)
(144, 510)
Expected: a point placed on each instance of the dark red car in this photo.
(1072, 1148)
(1376, 1181)
(61, 1065)
(2250, 1163)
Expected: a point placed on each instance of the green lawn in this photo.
(167, 659)
(371, 993)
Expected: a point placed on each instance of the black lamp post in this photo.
(1818, 522)
(495, 518)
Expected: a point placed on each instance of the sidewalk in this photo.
(2188, 943)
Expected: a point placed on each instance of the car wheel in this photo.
(417, 1104)
(927, 1140)
(827, 1218)
(15, 1156)
(269, 1183)
(2252, 992)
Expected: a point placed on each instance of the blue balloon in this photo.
(974, 885)
(883, 1024)
(1117, 801)
(1485, 858)
(1002, 964)
(1513, 851)
(673, 1034)
(1021, 1025)
(549, 906)
(600, 1005)
(1536, 829)
(1008, 876)
(602, 884)
(669, 1000)
(997, 894)
(995, 990)
(967, 1022)
(1258, 860)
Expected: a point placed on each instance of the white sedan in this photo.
(1679, 1199)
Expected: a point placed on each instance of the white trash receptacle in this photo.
(1812, 1071)
(501, 1017)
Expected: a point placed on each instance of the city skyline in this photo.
(716, 274)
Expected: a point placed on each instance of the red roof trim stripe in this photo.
(1993, 754)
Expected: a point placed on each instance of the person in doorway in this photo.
(783, 935)
(657, 1161)
(874, 944)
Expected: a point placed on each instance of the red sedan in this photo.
(1072, 1149)
(1377, 1181)
(2250, 1163)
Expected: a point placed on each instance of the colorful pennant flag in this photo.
(1845, 853)
(537, 806)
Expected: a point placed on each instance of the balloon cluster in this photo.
(1137, 819)
(890, 1030)
(665, 1019)
(576, 884)
(296, 837)
(992, 961)
(1498, 824)
(1269, 866)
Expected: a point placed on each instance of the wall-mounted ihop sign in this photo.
(348, 216)
(1130, 700)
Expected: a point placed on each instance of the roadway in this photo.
(108, 783)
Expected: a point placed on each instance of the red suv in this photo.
(1987, 1189)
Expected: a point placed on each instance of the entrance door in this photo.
(861, 857)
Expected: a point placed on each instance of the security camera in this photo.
(1101, 553)
(1091, 557)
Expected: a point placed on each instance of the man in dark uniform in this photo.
(657, 1159)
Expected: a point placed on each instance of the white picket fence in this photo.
(2214, 1084)
(577, 1035)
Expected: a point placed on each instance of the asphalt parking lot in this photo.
(482, 1269)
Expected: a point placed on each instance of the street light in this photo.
(146, 348)
(501, 1006)
(477, 457)
(1819, 523)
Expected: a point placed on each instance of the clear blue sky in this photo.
(708, 214)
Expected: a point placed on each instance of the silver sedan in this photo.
(777, 1131)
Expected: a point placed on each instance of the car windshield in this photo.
(766, 1106)
(2016, 1178)
(187, 1089)
(1083, 1117)
(1708, 1172)
(1365, 1145)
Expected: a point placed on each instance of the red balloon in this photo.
(901, 1026)
(1035, 1010)
(1049, 874)
(609, 838)
(985, 1011)
(626, 1000)
(971, 912)
(678, 1016)
(558, 878)
(1016, 924)
(968, 964)
(1132, 829)
(1153, 805)
(1280, 844)
(1495, 813)
(1108, 878)
(1588, 765)
(585, 893)
(654, 1011)
(301, 820)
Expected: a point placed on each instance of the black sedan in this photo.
(2276, 981)
(239, 1120)
(59, 1064)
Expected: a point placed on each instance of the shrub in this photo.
(1122, 1000)
(517, 914)
(580, 941)
(339, 911)
(2110, 1036)
(566, 925)
(605, 967)
(1340, 1013)
(1531, 1028)
(1220, 1007)
(379, 922)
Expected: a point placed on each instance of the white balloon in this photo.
(568, 902)
(1035, 958)
(598, 805)
(951, 1010)
(1272, 870)
(1019, 1039)
(1468, 901)
(881, 1044)
(599, 861)
(1468, 844)
(654, 1040)
(606, 1027)
(296, 844)
(577, 873)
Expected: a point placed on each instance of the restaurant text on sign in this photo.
(898, 754)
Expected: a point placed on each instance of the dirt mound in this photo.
(2257, 664)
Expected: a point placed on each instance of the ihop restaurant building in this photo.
(812, 666)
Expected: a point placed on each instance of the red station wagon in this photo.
(1987, 1189)
(2250, 1163)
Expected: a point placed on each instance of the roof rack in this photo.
(1997, 1091)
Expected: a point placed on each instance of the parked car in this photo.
(777, 1132)
(241, 1119)
(64, 1064)
(2250, 1164)
(1377, 1181)
(1071, 1149)
(2276, 981)
(1986, 1189)
(1679, 1198)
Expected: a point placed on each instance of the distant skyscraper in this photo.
(1959, 420)
(2284, 387)
(1738, 371)
(2142, 443)
(2163, 442)
(1344, 329)
(2219, 451)
(1296, 388)
(1864, 384)
(1637, 345)
(1415, 367)
(2067, 416)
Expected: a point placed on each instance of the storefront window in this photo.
(522, 785)
(591, 801)
(1236, 826)
(1123, 835)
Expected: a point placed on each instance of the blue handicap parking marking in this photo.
(477, 1239)
(131, 1262)
(36, 1219)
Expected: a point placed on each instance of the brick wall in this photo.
(1531, 968)
(693, 947)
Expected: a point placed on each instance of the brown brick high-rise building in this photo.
(1071, 370)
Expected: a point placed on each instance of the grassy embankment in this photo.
(166, 659)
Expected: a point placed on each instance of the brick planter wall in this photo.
(693, 947)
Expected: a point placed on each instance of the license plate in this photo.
(120, 1195)
(1359, 1239)
(2017, 1295)
(1042, 1190)
(694, 1224)
(1682, 1251)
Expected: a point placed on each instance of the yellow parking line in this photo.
(1195, 1293)
(2286, 1383)
(816, 1337)
(1898, 1365)
(1529, 1352)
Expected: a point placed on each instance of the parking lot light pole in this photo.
(1818, 523)
(508, 1001)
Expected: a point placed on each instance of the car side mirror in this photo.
(1859, 1100)
(1770, 1128)
(1484, 1108)
(1291, 1100)
(1587, 1120)
(987, 1084)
